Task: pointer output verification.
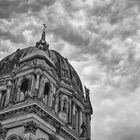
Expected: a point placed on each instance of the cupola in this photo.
(42, 44)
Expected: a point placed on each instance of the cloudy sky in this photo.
(101, 39)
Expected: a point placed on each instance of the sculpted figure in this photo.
(45, 98)
(8, 93)
(22, 96)
(86, 92)
(83, 127)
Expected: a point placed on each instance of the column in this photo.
(70, 111)
(73, 116)
(38, 74)
(32, 85)
(54, 98)
(41, 87)
(81, 119)
(9, 84)
(0, 99)
(50, 96)
(57, 101)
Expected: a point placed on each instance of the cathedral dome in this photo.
(41, 96)
(62, 67)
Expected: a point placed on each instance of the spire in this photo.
(44, 33)
(42, 44)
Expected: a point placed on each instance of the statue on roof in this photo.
(83, 127)
(87, 92)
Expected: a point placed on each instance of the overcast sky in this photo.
(101, 39)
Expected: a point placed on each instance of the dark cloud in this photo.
(114, 11)
(15, 38)
(72, 35)
(10, 8)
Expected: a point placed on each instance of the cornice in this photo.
(44, 113)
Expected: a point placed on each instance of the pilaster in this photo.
(9, 85)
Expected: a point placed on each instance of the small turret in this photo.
(42, 44)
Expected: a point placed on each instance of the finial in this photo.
(45, 27)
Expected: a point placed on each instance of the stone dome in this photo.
(41, 95)
(62, 67)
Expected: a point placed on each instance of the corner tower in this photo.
(41, 97)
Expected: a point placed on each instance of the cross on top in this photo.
(45, 27)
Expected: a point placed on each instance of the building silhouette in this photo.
(41, 97)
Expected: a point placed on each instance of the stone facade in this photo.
(41, 97)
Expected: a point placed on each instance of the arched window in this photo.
(46, 89)
(46, 93)
(24, 88)
(24, 85)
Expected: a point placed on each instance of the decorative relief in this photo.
(53, 137)
(13, 92)
(3, 132)
(83, 127)
(14, 137)
(8, 94)
(58, 127)
(30, 127)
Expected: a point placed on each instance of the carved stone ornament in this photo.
(30, 127)
(58, 127)
(53, 137)
(3, 132)
(41, 139)
(14, 137)
(87, 92)
(83, 127)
